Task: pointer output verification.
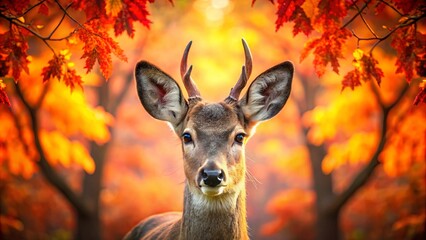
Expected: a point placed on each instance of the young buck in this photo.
(213, 137)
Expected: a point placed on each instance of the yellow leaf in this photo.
(60, 150)
(113, 7)
(358, 54)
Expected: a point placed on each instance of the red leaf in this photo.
(132, 11)
(285, 11)
(14, 49)
(408, 6)
(370, 69)
(351, 79)
(43, 9)
(54, 68)
(92, 9)
(4, 99)
(409, 45)
(14, 6)
(71, 79)
(421, 96)
(327, 48)
(301, 22)
(98, 46)
(331, 11)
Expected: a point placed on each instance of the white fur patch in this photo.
(224, 202)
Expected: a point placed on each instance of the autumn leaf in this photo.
(98, 46)
(59, 68)
(302, 23)
(15, 7)
(4, 99)
(132, 11)
(330, 13)
(421, 96)
(327, 49)
(365, 69)
(14, 51)
(351, 79)
(409, 45)
(113, 7)
(54, 68)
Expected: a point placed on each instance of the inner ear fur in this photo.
(159, 94)
(268, 93)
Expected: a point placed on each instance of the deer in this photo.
(213, 137)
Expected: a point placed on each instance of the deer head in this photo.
(213, 135)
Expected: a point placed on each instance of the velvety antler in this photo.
(245, 75)
(189, 84)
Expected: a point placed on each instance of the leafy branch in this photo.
(16, 20)
(406, 21)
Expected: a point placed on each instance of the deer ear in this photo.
(268, 93)
(160, 94)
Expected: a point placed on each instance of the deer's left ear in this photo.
(268, 93)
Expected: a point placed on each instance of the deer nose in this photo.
(212, 178)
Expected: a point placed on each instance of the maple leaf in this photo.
(301, 22)
(98, 46)
(72, 79)
(409, 45)
(60, 69)
(4, 99)
(15, 7)
(132, 11)
(408, 6)
(370, 69)
(365, 69)
(54, 68)
(351, 79)
(113, 7)
(14, 50)
(327, 48)
(330, 12)
(92, 9)
(285, 12)
(421, 96)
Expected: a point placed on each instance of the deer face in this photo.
(213, 146)
(213, 135)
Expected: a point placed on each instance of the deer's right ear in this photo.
(160, 94)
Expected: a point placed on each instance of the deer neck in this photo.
(221, 217)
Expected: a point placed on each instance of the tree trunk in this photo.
(89, 227)
(327, 221)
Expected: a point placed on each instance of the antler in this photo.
(245, 75)
(190, 86)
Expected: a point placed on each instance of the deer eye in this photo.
(186, 138)
(239, 138)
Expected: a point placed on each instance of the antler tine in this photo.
(185, 73)
(245, 74)
(247, 54)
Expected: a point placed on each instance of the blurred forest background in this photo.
(340, 161)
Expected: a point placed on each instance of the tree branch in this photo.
(49, 173)
(119, 98)
(365, 174)
(357, 14)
